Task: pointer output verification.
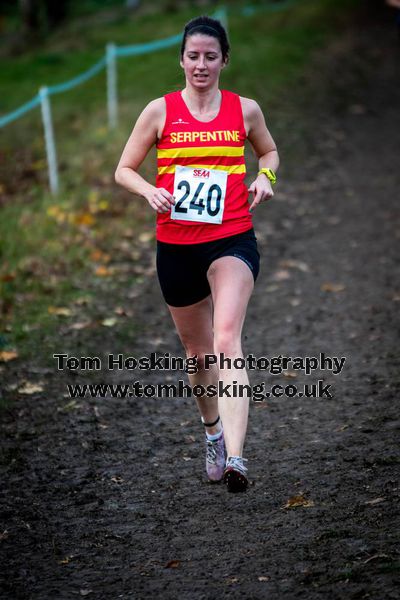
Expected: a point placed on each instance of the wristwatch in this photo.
(269, 173)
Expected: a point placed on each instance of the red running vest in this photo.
(217, 144)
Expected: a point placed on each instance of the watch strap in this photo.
(269, 173)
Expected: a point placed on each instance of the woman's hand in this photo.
(262, 190)
(159, 199)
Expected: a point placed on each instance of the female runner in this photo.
(207, 257)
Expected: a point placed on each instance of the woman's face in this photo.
(202, 60)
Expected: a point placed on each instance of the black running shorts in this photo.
(182, 268)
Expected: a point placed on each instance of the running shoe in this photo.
(235, 474)
(215, 458)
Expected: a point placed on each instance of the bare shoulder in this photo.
(154, 114)
(249, 107)
(155, 107)
(252, 113)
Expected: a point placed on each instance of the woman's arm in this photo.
(264, 147)
(144, 135)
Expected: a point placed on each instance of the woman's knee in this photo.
(227, 342)
(194, 350)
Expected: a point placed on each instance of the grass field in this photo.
(58, 255)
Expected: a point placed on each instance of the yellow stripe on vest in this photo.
(232, 169)
(202, 151)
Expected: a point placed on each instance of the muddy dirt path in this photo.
(107, 498)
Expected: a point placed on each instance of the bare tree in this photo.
(38, 13)
(30, 15)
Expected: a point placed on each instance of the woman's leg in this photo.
(231, 283)
(194, 325)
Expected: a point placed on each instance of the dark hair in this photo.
(207, 26)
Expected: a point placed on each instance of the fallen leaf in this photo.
(332, 287)
(140, 270)
(80, 325)
(110, 322)
(102, 271)
(157, 341)
(294, 264)
(70, 405)
(232, 580)
(298, 500)
(295, 301)
(12, 386)
(7, 277)
(103, 204)
(100, 256)
(83, 300)
(289, 374)
(128, 233)
(117, 479)
(6, 355)
(30, 388)
(84, 219)
(343, 427)
(376, 556)
(53, 210)
(145, 237)
(135, 255)
(60, 311)
(375, 501)
(135, 293)
(124, 246)
(172, 564)
(281, 275)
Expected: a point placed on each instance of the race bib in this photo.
(199, 194)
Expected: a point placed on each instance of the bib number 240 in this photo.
(199, 194)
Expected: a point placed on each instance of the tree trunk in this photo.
(30, 15)
(55, 12)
